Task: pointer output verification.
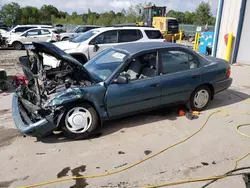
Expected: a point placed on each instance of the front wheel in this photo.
(199, 98)
(17, 45)
(79, 121)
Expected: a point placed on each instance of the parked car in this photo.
(19, 29)
(121, 80)
(78, 30)
(32, 35)
(87, 45)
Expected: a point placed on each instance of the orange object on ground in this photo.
(196, 113)
(181, 113)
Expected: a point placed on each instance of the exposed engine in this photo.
(48, 81)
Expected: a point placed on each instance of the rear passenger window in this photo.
(45, 32)
(177, 61)
(153, 34)
(129, 35)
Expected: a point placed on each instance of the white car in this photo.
(85, 46)
(77, 31)
(32, 35)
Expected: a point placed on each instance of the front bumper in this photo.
(26, 126)
(222, 85)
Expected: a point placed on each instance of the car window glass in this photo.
(141, 67)
(45, 32)
(107, 37)
(82, 30)
(20, 29)
(153, 34)
(177, 61)
(129, 35)
(33, 32)
(103, 65)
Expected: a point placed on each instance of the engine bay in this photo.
(44, 81)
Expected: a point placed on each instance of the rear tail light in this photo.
(58, 36)
(228, 72)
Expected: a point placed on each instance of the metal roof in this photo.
(133, 48)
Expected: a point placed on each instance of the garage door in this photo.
(243, 53)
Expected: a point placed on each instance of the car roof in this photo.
(133, 48)
(89, 26)
(121, 28)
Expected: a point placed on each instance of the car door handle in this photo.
(155, 85)
(196, 76)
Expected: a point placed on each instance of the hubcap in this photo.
(78, 120)
(201, 98)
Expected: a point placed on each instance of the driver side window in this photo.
(142, 67)
(108, 37)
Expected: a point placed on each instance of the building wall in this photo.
(229, 23)
(243, 52)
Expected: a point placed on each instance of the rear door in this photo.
(180, 75)
(104, 40)
(129, 35)
(45, 35)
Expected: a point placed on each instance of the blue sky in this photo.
(82, 6)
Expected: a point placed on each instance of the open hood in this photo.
(51, 49)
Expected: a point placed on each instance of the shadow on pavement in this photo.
(222, 99)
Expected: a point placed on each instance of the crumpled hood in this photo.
(66, 45)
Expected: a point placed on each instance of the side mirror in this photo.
(96, 47)
(13, 31)
(120, 80)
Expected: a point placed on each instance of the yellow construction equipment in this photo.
(155, 16)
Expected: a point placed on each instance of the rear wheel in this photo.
(17, 45)
(199, 98)
(79, 121)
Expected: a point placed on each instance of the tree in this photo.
(30, 15)
(203, 14)
(11, 13)
(46, 12)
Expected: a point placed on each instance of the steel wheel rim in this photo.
(78, 120)
(201, 98)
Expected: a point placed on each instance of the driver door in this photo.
(138, 94)
(32, 36)
(104, 40)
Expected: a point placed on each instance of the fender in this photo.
(75, 95)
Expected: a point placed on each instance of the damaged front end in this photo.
(38, 106)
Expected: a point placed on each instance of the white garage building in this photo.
(233, 16)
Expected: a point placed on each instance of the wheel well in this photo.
(65, 38)
(58, 119)
(16, 42)
(210, 86)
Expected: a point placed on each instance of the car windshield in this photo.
(84, 36)
(104, 64)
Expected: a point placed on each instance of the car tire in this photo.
(79, 121)
(199, 99)
(65, 39)
(17, 45)
(3, 86)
